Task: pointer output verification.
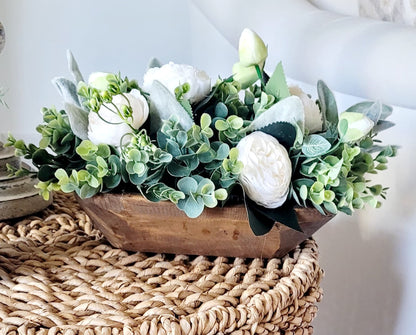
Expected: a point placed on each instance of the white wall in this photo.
(103, 35)
(368, 258)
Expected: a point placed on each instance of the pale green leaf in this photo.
(277, 85)
(315, 145)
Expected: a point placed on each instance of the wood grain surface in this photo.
(131, 222)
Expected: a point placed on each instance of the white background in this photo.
(368, 258)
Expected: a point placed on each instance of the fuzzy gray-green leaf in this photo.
(328, 104)
(73, 67)
(164, 105)
(67, 89)
(78, 119)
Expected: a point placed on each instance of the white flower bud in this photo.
(107, 126)
(251, 48)
(173, 75)
(267, 169)
(313, 115)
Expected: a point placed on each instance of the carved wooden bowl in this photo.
(131, 222)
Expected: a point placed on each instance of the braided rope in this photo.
(59, 276)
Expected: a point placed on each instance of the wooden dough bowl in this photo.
(130, 222)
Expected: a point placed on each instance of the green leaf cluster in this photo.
(332, 175)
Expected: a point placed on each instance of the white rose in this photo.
(267, 169)
(313, 116)
(173, 75)
(106, 126)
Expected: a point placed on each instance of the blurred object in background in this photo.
(2, 37)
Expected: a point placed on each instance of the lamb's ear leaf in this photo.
(154, 62)
(328, 103)
(67, 89)
(78, 120)
(163, 105)
(73, 67)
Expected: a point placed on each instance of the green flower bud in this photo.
(251, 49)
(99, 80)
(359, 126)
(246, 76)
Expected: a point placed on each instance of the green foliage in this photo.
(199, 192)
(277, 86)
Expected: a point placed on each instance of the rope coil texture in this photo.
(59, 276)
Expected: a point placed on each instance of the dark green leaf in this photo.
(284, 214)
(46, 173)
(284, 132)
(41, 157)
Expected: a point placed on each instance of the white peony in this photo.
(267, 169)
(173, 75)
(313, 115)
(107, 127)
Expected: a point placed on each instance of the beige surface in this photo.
(58, 276)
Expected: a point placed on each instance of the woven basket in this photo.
(59, 276)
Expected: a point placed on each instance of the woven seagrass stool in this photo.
(59, 276)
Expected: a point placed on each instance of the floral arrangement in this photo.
(248, 138)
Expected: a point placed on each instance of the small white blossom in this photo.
(313, 115)
(108, 127)
(173, 75)
(267, 169)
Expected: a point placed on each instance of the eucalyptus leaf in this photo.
(315, 145)
(328, 103)
(277, 85)
(68, 90)
(192, 207)
(78, 120)
(163, 105)
(73, 67)
(187, 185)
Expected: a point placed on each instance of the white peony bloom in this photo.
(267, 169)
(173, 75)
(111, 132)
(313, 115)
